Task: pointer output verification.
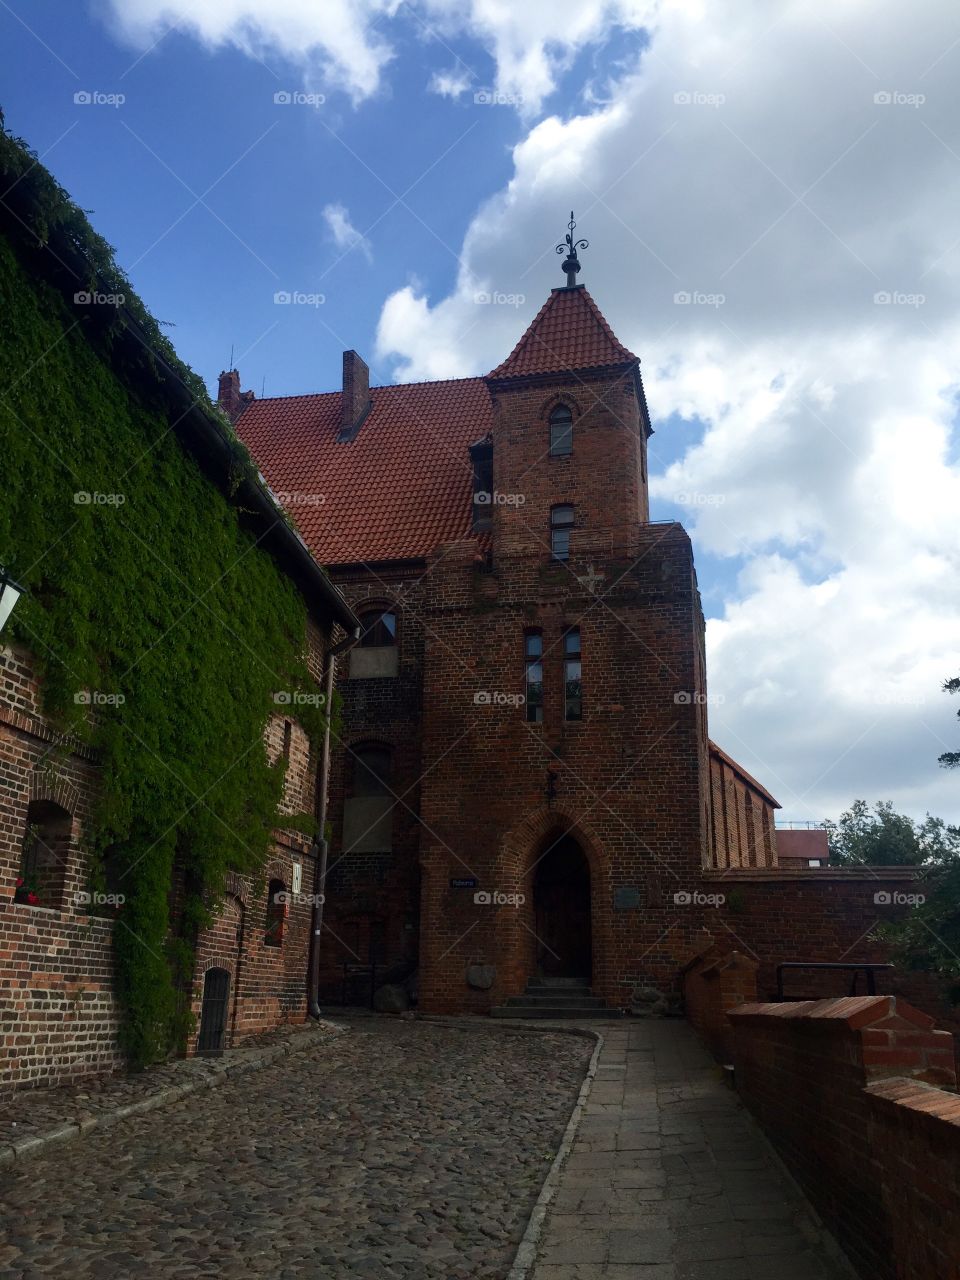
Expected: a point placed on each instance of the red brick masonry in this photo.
(846, 1090)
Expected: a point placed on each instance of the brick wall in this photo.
(860, 1153)
(58, 1015)
(714, 983)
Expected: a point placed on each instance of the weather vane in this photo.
(571, 263)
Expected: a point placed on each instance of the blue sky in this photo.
(770, 192)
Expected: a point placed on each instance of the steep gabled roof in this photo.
(399, 488)
(568, 332)
(718, 753)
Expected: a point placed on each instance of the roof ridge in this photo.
(378, 386)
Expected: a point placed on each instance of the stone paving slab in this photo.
(401, 1150)
(669, 1177)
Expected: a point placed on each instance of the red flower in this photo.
(20, 882)
(32, 899)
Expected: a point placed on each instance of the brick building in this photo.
(525, 787)
(59, 1014)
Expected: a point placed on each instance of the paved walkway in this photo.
(669, 1177)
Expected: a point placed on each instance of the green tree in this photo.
(951, 759)
(881, 837)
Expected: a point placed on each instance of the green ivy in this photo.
(160, 602)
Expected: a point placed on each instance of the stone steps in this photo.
(555, 998)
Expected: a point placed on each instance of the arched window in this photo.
(44, 855)
(277, 910)
(377, 653)
(561, 522)
(378, 629)
(368, 805)
(561, 431)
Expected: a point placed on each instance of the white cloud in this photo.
(451, 84)
(745, 161)
(345, 235)
(335, 41)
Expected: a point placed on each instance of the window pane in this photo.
(572, 690)
(534, 700)
(379, 630)
(534, 645)
(561, 438)
(561, 516)
(571, 640)
(560, 544)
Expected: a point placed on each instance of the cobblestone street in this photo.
(399, 1149)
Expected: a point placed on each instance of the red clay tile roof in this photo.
(569, 332)
(404, 484)
(396, 491)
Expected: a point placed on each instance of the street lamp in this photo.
(10, 593)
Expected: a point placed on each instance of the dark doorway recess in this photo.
(561, 896)
(213, 1015)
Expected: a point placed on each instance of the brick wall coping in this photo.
(855, 1011)
(791, 875)
(925, 1100)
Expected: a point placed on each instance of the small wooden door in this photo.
(213, 1012)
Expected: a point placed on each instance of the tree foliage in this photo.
(951, 759)
(881, 837)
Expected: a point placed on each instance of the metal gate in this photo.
(213, 1015)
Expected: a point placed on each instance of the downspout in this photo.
(321, 844)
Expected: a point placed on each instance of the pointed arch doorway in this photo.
(561, 898)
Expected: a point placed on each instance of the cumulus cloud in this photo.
(451, 84)
(344, 234)
(336, 41)
(770, 197)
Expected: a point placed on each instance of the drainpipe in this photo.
(321, 845)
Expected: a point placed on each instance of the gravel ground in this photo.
(399, 1149)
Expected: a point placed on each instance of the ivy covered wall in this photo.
(148, 600)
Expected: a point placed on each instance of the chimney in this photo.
(228, 397)
(356, 395)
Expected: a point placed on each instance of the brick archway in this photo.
(521, 851)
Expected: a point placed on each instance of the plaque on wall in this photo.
(626, 898)
(463, 882)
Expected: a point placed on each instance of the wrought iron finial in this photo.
(571, 263)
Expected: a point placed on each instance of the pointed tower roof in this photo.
(569, 332)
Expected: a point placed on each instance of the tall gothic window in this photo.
(533, 661)
(561, 522)
(561, 431)
(572, 696)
